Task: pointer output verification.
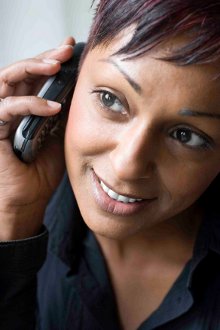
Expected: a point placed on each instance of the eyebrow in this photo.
(192, 113)
(138, 89)
(131, 81)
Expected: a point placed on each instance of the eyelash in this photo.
(100, 93)
(207, 142)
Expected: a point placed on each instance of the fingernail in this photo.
(50, 61)
(65, 46)
(54, 105)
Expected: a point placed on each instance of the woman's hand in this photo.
(26, 188)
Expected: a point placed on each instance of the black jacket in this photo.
(73, 288)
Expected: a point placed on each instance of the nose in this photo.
(133, 156)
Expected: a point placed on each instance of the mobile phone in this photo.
(33, 130)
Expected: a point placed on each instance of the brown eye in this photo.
(190, 138)
(183, 135)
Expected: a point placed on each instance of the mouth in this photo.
(118, 197)
(114, 202)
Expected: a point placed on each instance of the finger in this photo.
(61, 53)
(46, 64)
(66, 46)
(14, 106)
(64, 51)
(69, 41)
(26, 71)
(50, 61)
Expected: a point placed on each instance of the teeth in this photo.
(112, 194)
(106, 189)
(117, 197)
(123, 199)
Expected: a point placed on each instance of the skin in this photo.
(135, 151)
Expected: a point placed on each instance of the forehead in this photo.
(165, 49)
(150, 70)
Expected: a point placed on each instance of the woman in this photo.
(142, 155)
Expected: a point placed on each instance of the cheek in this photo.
(87, 132)
(80, 132)
(189, 182)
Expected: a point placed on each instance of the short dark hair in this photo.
(158, 20)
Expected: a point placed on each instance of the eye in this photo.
(110, 101)
(191, 139)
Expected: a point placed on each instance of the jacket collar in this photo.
(64, 223)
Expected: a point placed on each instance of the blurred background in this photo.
(29, 27)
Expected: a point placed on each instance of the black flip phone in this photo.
(32, 129)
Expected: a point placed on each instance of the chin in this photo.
(111, 232)
(111, 226)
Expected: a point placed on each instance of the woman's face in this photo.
(142, 143)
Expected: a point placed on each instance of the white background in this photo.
(31, 26)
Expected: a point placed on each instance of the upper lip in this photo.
(134, 196)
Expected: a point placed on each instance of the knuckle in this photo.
(25, 62)
(33, 100)
(7, 101)
(4, 79)
(26, 67)
(44, 54)
(30, 99)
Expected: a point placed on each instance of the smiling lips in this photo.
(110, 201)
(117, 197)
